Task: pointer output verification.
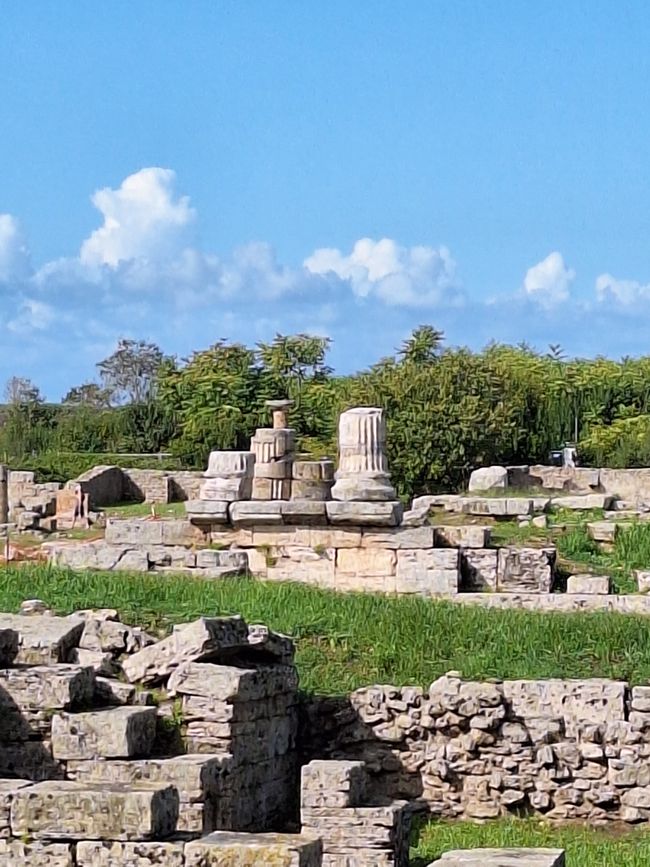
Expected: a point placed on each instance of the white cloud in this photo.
(549, 281)
(33, 315)
(623, 292)
(143, 219)
(409, 276)
(15, 263)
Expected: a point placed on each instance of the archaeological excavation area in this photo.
(198, 748)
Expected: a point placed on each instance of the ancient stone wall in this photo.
(631, 486)
(563, 749)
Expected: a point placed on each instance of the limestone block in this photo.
(468, 536)
(582, 501)
(271, 489)
(301, 563)
(479, 569)
(210, 558)
(315, 491)
(333, 537)
(230, 464)
(275, 470)
(592, 584)
(333, 784)
(642, 580)
(65, 810)
(195, 776)
(525, 570)
(488, 479)
(399, 538)
(230, 683)
(170, 555)
(111, 636)
(314, 471)
(226, 490)
(17, 853)
(381, 514)
(232, 849)
(272, 444)
(179, 531)
(641, 699)
(502, 858)
(256, 512)
(110, 853)
(132, 560)
(41, 640)
(187, 643)
(207, 511)
(8, 789)
(303, 511)
(433, 502)
(275, 644)
(133, 531)
(44, 687)
(497, 507)
(595, 701)
(366, 562)
(428, 572)
(118, 732)
(603, 531)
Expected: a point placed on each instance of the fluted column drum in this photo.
(363, 467)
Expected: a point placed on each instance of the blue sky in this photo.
(184, 172)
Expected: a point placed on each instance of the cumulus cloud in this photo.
(33, 315)
(15, 264)
(549, 281)
(143, 219)
(410, 276)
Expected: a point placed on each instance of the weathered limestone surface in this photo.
(115, 733)
(488, 479)
(387, 513)
(502, 858)
(69, 811)
(522, 570)
(110, 853)
(362, 474)
(228, 849)
(479, 567)
(42, 640)
(20, 854)
(598, 584)
(189, 643)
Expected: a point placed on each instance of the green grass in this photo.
(141, 510)
(351, 640)
(585, 846)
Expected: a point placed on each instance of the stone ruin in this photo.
(119, 750)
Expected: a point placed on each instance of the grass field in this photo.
(351, 640)
(585, 847)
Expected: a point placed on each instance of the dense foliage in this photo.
(448, 409)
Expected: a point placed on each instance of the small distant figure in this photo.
(80, 508)
(569, 456)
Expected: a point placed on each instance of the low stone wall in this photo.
(632, 486)
(560, 748)
(28, 500)
(110, 485)
(428, 560)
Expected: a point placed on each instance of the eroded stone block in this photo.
(111, 853)
(119, 732)
(379, 514)
(232, 849)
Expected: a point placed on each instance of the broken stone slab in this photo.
(592, 584)
(41, 640)
(256, 512)
(65, 810)
(207, 511)
(189, 643)
(583, 501)
(304, 511)
(119, 732)
(112, 853)
(236, 849)
(497, 507)
(21, 854)
(45, 687)
(502, 858)
(380, 514)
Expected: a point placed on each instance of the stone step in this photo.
(502, 858)
(72, 811)
(121, 732)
